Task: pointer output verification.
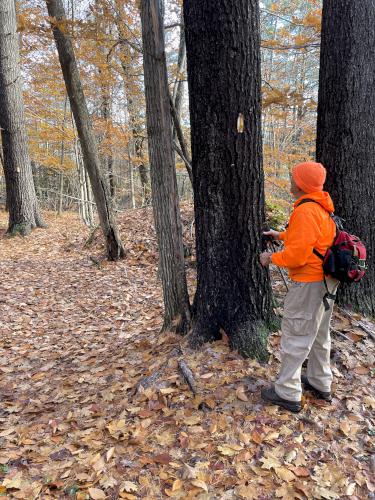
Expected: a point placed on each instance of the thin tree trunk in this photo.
(138, 146)
(178, 130)
(346, 128)
(112, 183)
(62, 154)
(131, 177)
(163, 173)
(106, 115)
(223, 62)
(178, 88)
(24, 214)
(69, 67)
(134, 111)
(89, 210)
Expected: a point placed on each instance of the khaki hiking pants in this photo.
(305, 333)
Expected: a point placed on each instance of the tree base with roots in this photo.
(24, 228)
(248, 337)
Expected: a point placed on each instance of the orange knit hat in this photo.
(309, 176)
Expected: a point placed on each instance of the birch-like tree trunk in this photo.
(78, 105)
(24, 213)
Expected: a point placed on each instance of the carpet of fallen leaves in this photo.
(92, 403)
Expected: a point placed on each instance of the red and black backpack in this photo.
(345, 259)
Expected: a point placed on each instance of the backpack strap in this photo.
(309, 200)
(337, 220)
(318, 254)
(328, 296)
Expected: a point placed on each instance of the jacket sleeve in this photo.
(303, 233)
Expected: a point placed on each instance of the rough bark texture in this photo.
(163, 174)
(346, 128)
(86, 136)
(223, 63)
(22, 203)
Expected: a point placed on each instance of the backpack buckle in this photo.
(362, 264)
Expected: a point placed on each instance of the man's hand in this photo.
(275, 235)
(265, 258)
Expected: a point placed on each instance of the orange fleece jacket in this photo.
(310, 226)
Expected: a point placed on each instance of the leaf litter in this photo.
(93, 404)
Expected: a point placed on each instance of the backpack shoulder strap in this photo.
(337, 220)
(309, 200)
(318, 254)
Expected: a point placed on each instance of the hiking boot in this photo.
(326, 396)
(270, 396)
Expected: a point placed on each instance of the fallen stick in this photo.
(336, 332)
(188, 375)
(360, 324)
(148, 380)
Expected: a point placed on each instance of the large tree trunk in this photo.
(163, 174)
(86, 136)
(22, 203)
(223, 63)
(346, 128)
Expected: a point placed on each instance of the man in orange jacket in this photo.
(305, 325)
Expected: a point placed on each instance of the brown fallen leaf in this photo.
(361, 370)
(14, 480)
(300, 471)
(256, 437)
(345, 427)
(8, 432)
(97, 494)
(285, 474)
(247, 492)
(177, 485)
(198, 483)
(129, 487)
(229, 449)
(240, 393)
(188, 472)
(163, 458)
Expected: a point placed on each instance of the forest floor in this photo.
(78, 336)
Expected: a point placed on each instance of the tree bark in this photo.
(346, 128)
(142, 171)
(178, 88)
(163, 174)
(178, 131)
(223, 63)
(22, 203)
(69, 67)
(62, 155)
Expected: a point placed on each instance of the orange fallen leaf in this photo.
(177, 485)
(361, 370)
(256, 437)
